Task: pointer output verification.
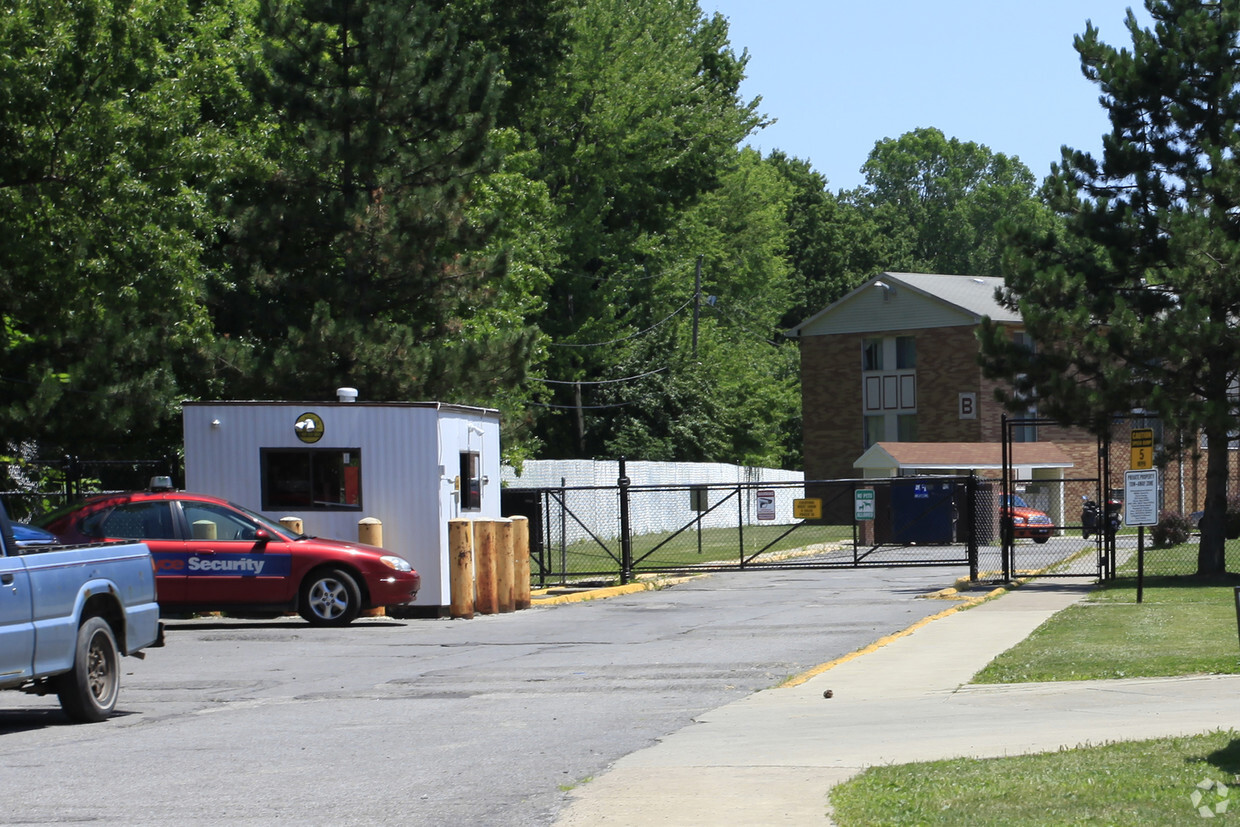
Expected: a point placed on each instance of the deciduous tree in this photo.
(938, 200)
(641, 120)
(108, 147)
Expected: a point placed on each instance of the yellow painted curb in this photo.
(610, 591)
(797, 680)
(945, 594)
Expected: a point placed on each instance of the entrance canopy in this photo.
(902, 459)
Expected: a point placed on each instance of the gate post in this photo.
(72, 483)
(740, 524)
(563, 531)
(1104, 502)
(1006, 538)
(626, 540)
(970, 507)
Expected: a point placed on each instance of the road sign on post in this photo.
(1141, 498)
(1142, 449)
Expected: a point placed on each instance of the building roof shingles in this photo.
(974, 454)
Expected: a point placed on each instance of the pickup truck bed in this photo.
(67, 614)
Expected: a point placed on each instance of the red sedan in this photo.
(211, 554)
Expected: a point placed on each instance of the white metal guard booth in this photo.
(413, 466)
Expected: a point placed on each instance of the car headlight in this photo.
(1018, 520)
(394, 562)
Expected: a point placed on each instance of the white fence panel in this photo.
(656, 511)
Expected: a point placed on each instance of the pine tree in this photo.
(1133, 299)
(365, 257)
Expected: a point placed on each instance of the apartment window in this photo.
(871, 354)
(312, 479)
(1025, 431)
(906, 353)
(906, 427)
(875, 428)
(889, 388)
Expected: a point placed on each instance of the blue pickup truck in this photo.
(68, 613)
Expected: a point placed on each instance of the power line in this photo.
(600, 381)
(721, 313)
(581, 407)
(654, 326)
(617, 278)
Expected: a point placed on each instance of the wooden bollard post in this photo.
(461, 575)
(521, 562)
(370, 532)
(504, 573)
(487, 600)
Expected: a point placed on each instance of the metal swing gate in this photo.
(626, 530)
(1074, 545)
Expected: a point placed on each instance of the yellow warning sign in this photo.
(1142, 449)
(809, 509)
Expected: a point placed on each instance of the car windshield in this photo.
(1015, 501)
(268, 524)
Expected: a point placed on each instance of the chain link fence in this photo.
(30, 488)
(624, 531)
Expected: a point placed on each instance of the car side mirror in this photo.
(261, 537)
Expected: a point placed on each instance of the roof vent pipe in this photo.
(346, 394)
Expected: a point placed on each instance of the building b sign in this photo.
(968, 406)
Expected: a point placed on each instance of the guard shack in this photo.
(411, 465)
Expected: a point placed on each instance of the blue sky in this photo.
(839, 76)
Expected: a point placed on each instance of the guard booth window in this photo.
(470, 481)
(315, 479)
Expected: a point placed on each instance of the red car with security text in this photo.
(211, 554)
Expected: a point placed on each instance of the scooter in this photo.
(1091, 519)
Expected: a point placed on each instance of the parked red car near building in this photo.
(1027, 522)
(211, 554)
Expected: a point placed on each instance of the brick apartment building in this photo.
(890, 372)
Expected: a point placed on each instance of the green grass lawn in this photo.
(1133, 783)
(1185, 625)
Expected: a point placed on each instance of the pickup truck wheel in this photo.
(88, 691)
(330, 597)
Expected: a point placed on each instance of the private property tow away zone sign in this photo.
(1141, 497)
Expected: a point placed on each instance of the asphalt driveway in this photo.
(488, 721)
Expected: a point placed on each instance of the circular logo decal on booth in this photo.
(309, 427)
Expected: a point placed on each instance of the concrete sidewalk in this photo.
(772, 758)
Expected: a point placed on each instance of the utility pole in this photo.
(581, 419)
(697, 302)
